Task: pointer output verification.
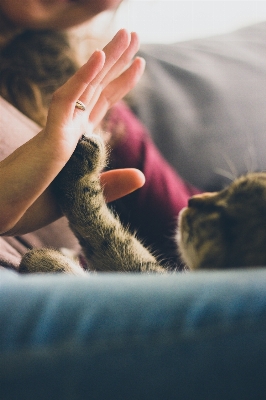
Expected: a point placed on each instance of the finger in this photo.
(113, 52)
(120, 182)
(116, 90)
(64, 99)
(123, 61)
(87, 77)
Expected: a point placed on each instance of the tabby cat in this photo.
(217, 230)
(226, 229)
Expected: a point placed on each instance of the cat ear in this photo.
(201, 199)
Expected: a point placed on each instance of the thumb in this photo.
(120, 182)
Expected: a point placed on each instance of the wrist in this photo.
(54, 149)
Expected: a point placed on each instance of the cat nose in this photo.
(200, 199)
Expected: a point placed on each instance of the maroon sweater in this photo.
(152, 210)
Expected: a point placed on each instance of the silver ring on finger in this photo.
(81, 106)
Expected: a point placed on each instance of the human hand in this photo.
(100, 83)
(26, 203)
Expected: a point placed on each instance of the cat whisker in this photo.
(226, 174)
(232, 173)
(250, 159)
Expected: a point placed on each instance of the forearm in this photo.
(24, 177)
(42, 212)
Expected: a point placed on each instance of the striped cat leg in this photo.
(105, 242)
(49, 261)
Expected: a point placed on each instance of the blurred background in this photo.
(166, 21)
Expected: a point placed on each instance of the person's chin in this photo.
(102, 5)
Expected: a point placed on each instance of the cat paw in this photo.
(89, 156)
(78, 182)
(48, 261)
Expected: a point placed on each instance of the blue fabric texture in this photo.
(126, 336)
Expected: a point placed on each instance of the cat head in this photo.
(226, 229)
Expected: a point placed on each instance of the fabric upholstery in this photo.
(204, 103)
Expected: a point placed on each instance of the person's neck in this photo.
(7, 31)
